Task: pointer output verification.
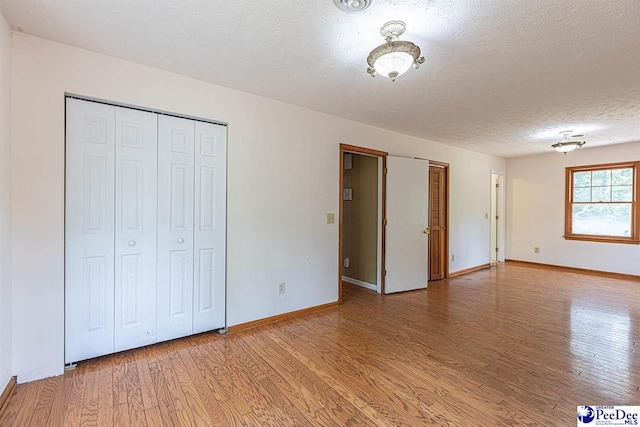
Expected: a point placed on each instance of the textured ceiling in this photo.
(500, 77)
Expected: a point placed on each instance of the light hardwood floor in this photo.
(513, 345)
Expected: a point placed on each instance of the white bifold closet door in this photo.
(110, 255)
(191, 226)
(175, 227)
(89, 230)
(145, 228)
(135, 229)
(210, 227)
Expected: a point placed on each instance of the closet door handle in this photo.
(132, 242)
(181, 240)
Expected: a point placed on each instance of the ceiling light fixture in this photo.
(565, 145)
(395, 57)
(353, 6)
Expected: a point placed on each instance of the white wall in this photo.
(5, 199)
(535, 212)
(283, 179)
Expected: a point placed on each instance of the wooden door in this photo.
(438, 222)
(407, 224)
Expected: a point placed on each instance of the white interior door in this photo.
(135, 236)
(175, 227)
(89, 230)
(210, 227)
(407, 224)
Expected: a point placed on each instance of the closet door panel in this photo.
(210, 226)
(89, 230)
(135, 223)
(175, 227)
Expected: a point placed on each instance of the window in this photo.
(602, 203)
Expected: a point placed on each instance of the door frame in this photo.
(382, 189)
(447, 173)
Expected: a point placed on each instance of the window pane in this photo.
(582, 179)
(622, 176)
(600, 194)
(581, 195)
(622, 193)
(601, 177)
(602, 219)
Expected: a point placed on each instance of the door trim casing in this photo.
(346, 148)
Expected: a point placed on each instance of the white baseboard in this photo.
(360, 283)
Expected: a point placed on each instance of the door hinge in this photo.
(497, 185)
(497, 217)
(386, 171)
(384, 222)
(385, 273)
(496, 249)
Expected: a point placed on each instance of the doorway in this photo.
(438, 220)
(361, 218)
(497, 217)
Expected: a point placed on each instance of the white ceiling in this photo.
(501, 77)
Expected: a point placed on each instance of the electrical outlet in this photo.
(453, 257)
(331, 218)
(346, 262)
(486, 216)
(536, 250)
(281, 288)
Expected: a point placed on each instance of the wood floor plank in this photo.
(121, 414)
(181, 406)
(119, 380)
(10, 412)
(398, 408)
(49, 390)
(193, 397)
(30, 401)
(135, 403)
(202, 364)
(166, 405)
(264, 406)
(75, 398)
(224, 377)
(149, 399)
(201, 387)
(105, 393)
(153, 417)
(506, 346)
(89, 416)
(60, 400)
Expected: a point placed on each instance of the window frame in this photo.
(634, 239)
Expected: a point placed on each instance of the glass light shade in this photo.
(565, 148)
(393, 62)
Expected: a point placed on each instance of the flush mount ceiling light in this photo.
(395, 57)
(565, 145)
(353, 6)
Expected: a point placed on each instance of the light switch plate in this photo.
(331, 218)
